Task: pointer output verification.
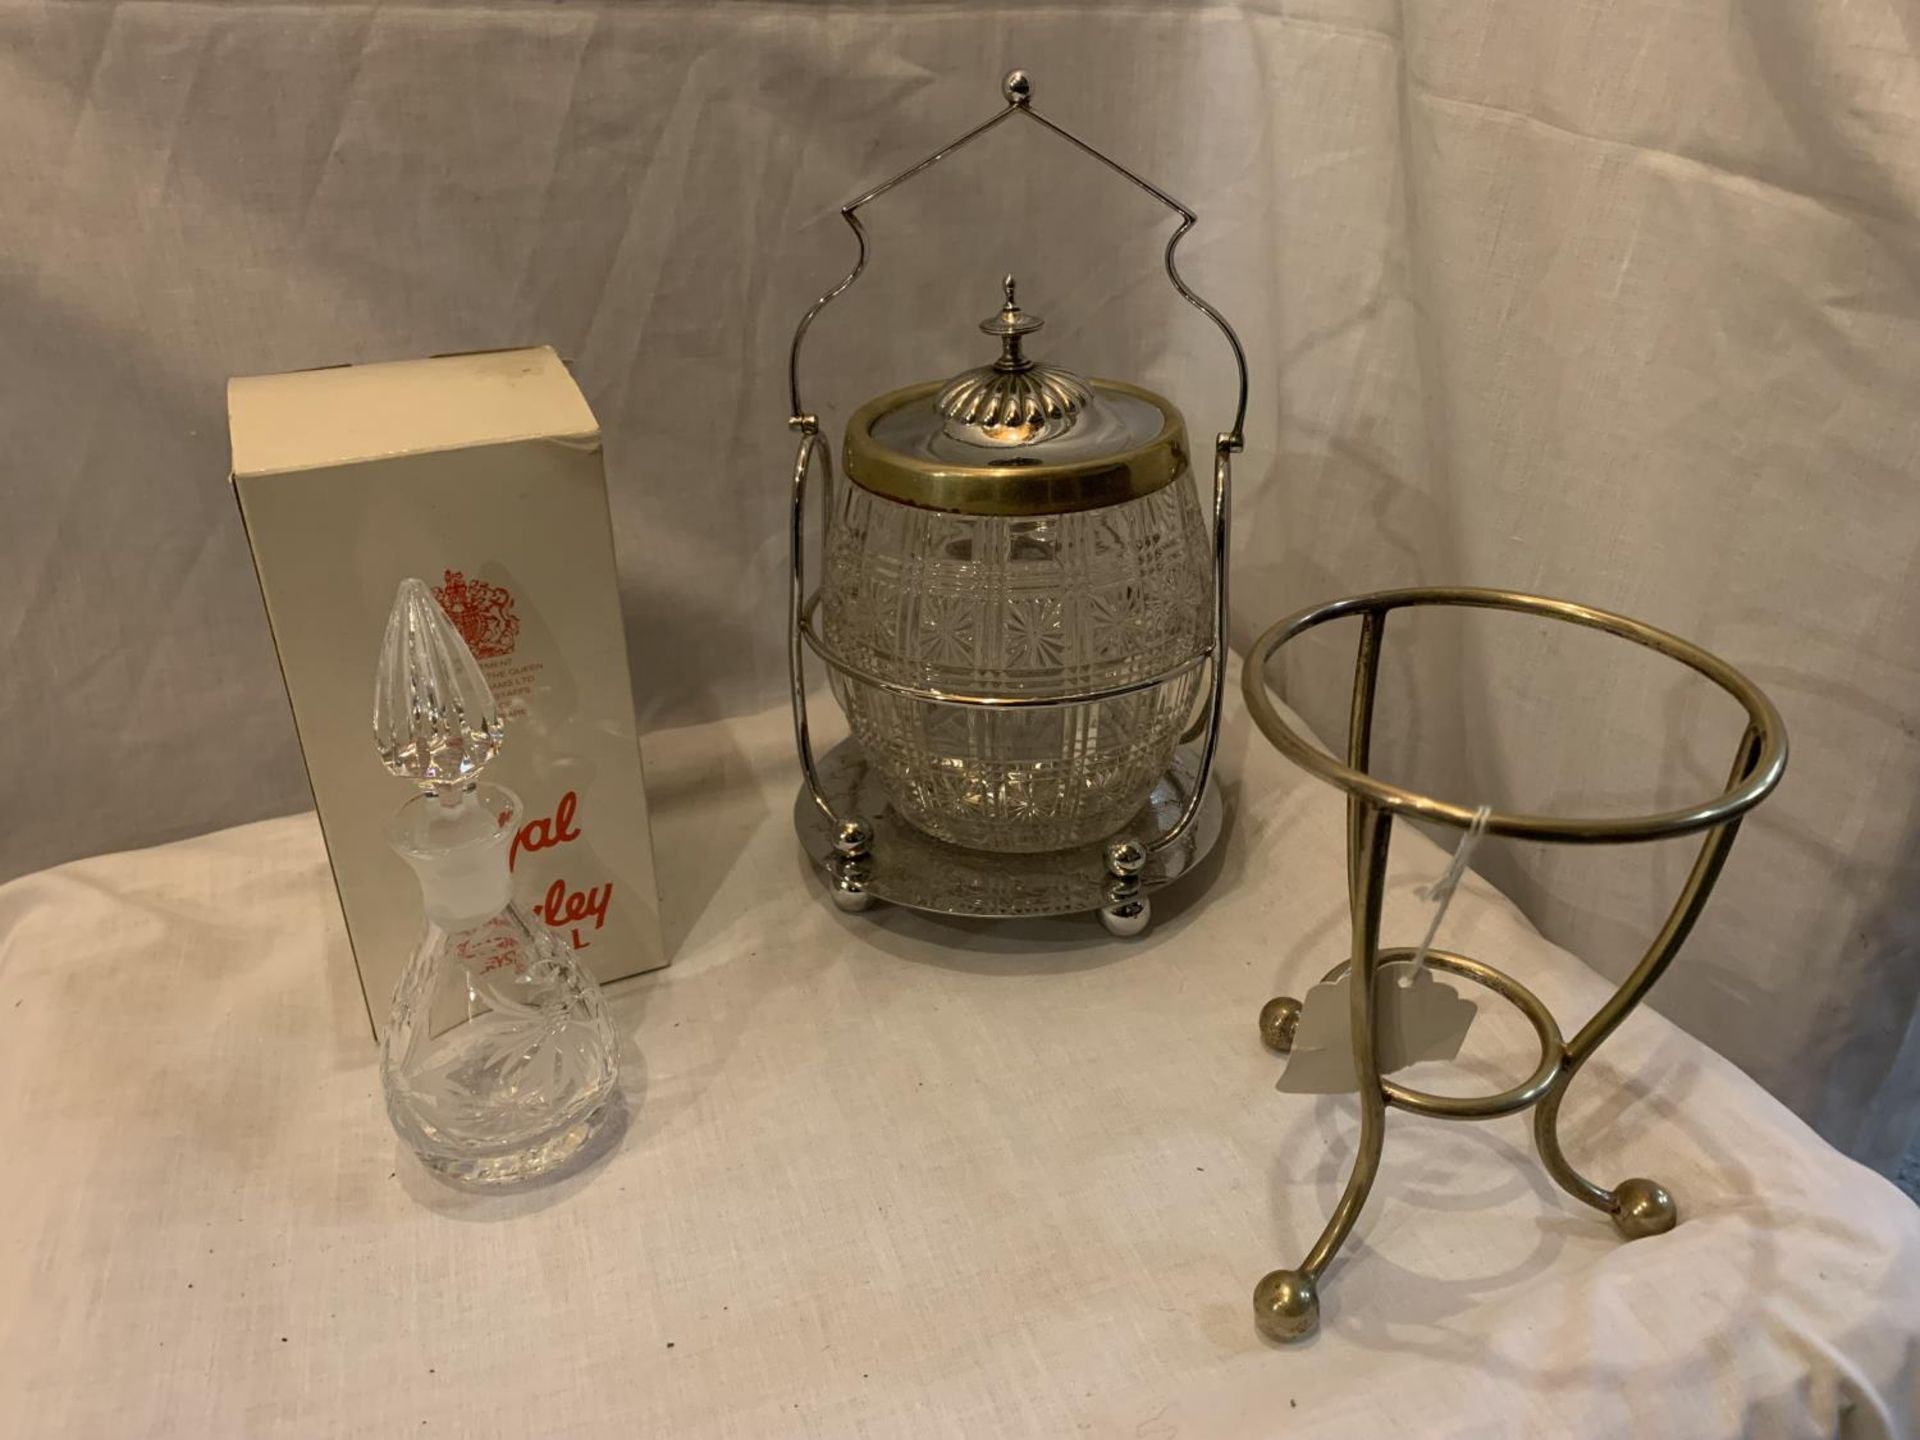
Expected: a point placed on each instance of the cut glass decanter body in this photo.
(499, 1061)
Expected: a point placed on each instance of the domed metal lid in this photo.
(1017, 437)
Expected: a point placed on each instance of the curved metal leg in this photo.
(1280, 1017)
(1286, 1303)
(1638, 1207)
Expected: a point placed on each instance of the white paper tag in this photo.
(1416, 1017)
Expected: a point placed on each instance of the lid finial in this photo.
(1014, 401)
(1010, 324)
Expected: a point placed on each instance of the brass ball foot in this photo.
(1642, 1208)
(1279, 1021)
(1286, 1305)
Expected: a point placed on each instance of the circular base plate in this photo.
(913, 869)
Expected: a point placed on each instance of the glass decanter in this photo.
(499, 1063)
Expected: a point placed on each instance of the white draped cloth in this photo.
(885, 1175)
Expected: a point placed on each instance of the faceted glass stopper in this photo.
(434, 718)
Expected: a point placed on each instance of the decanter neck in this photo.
(458, 843)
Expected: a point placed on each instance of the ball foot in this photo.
(853, 838)
(1126, 919)
(1126, 857)
(850, 899)
(1279, 1022)
(1286, 1305)
(849, 874)
(1642, 1208)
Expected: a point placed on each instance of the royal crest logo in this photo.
(482, 613)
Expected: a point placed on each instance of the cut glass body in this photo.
(1017, 535)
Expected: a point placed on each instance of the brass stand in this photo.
(1286, 1303)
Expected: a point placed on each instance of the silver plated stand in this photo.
(845, 807)
(908, 867)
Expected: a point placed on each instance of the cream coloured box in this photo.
(482, 475)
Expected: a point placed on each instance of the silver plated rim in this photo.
(914, 870)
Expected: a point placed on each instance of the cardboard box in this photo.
(482, 475)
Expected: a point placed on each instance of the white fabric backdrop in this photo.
(1609, 298)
